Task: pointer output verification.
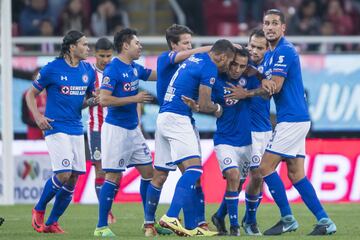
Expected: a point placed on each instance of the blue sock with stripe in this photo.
(184, 190)
(308, 195)
(144, 184)
(232, 203)
(62, 201)
(251, 202)
(107, 195)
(52, 186)
(152, 201)
(277, 190)
(200, 205)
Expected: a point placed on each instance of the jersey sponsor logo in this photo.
(63, 78)
(229, 101)
(212, 81)
(65, 162)
(227, 161)
(192, 58)
(65, 90)
(85, 78)
(73, 90)
(281, 59)
(131, 86)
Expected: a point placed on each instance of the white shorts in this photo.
(288, 139)
(259, 143)
(176, 140)
(67, 152)
(234, 157)
(123, 148)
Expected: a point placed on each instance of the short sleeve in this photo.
(208, 75)
(282, 60)
(142, 72)
(109, 80)
(42, 79)
(92, 79)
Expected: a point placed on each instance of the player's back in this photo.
(290, 101)
(197, 69)
(166, 67)
(234, 126)
(66, 87)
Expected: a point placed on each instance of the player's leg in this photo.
(296, 174)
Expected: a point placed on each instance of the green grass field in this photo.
(79, 221)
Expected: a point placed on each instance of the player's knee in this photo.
(295, 176)
(63, 177)
(232, 176)
(159, 178)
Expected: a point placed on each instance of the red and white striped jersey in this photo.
(97, 113)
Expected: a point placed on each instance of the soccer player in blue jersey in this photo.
(178, 38)
(232, 139)
(282, 66)
(122, 142)
(67, 80)
(176, 136)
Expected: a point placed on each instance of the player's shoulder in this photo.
(286, 47)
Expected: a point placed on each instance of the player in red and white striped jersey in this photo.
(97, 114)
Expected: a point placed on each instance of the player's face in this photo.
(134, 48)
(183, 44)
(257, 48)
(81, 49)
(224, 61)
(273, 28)
(238, 66)
(103, 57)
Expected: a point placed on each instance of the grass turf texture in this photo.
(79, 221)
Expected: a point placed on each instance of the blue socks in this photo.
(52, 186)
(222, 211)
(251, 202)
(152, 201)
(184, 194)
(107, 195)
(308, 195)
(277, 190)
(200, 205)
(144, 183)
(62, 201)
(232, 201)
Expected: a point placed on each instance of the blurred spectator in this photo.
(47, 30)
(342, 22)
(250, 13)
(193, 10)
(33, 131)
(73, 18)
(306, 20)
(31, 16)
(107, 17)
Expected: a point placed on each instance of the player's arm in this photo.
(106, 99)
(279, 81)
(182, 55)
(205, 103)
(42, 122)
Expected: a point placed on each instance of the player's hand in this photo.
(191, 103)
(238, 46)
(269, 86)
(143, 96)
(43, 122)
(237, 92)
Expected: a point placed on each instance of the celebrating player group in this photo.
(232, 82)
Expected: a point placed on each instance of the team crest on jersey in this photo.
(121, 162)
(65, 162)
(65, 90)
(260, 69)
(255, 159)
(227, 161)
(85, 78)
(212, 81)
(135, 72)
(97, 155)
(242, 82)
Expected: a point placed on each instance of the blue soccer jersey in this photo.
(66, 88)
(197, 69)
(123, 81)
(290, 102)
(234, 126)
(166, 67)
(260, 107)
